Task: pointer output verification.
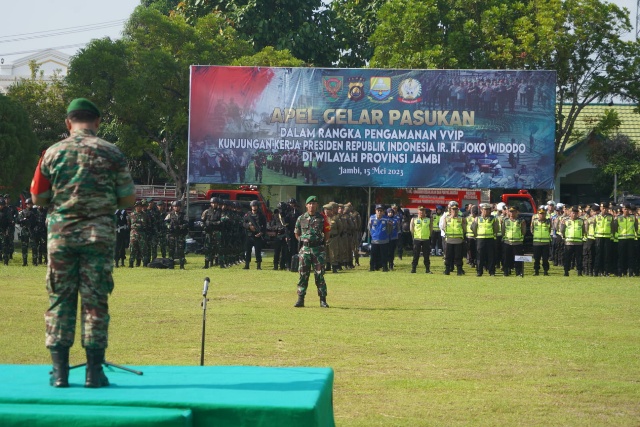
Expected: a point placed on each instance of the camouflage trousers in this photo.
(135, 248)
(312, 258)
(162, 244)
(27, 242)
(74, 269)
(212, 245)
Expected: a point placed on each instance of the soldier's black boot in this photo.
(334, 268)
(323, 302)
(246, 265)
(138, 263)
(460, 271)
(181, 263)
(413, 268)
(206, 264)
(24, 261)
(60, 374)
(300, 302)
(258, 267)
(95, 377)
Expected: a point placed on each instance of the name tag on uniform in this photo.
(523, 258)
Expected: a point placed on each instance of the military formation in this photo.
(599, 239)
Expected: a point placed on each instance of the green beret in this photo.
(83, 104)
(311, 199)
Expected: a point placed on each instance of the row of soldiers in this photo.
(224, 235)
(344, 237)
(32, 231)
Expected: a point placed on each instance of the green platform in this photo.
(170, 396)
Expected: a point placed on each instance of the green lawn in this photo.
(407, 349)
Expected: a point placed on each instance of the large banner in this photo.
(372, 127)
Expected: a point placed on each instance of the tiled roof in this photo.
(591, 113)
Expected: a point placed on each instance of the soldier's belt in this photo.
(312, 244)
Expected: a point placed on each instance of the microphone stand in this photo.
(205, 289)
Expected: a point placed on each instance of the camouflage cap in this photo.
(327, 207)
(83, 104)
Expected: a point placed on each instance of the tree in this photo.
(18, 145)
(354, 23)
(45, 104)
(304, 27)
(613, 153)
(580, 39)
(142, 82)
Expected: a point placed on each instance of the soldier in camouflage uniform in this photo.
(85, 179)
(356, 233)
(212, 234)
(5, 226)
(226, 223)
(156, 222)
(28, 220)
(145, 235)
(333, 242)
(12, 211)
(312, 230)
(162, 232)
(41, 234)
(178, 227)
(122, 236)
(137, 224)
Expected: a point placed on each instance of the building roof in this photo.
(590, 115)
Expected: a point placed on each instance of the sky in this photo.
(67, 25)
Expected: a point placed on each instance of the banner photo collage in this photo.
(372, 127)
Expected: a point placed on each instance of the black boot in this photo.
(95, 375)
(246, 265)
(181, 263)
(60, 373)
(460, 271)
(258, 267)
(334, 268)
(206, 264)
(413, 269)
(323, 302)
(300, 302)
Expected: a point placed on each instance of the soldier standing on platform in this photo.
(178, 228)
(83, 179)
(312, 230)
(421, 229)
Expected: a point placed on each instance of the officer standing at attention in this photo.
(312, 230)
(513, 231)
(137, 222)
(81, 237)
(573, 231)
(485, 229)
(255, 226)
(380, 229)
(178, 227)
(333, 243)
(455, 227)
(541, 231)
(421, 229)
(211, 220)
(5, 235)
(122, 236)
(28, 220)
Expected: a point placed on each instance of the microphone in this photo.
(205, 289)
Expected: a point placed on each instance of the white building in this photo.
(49, 62)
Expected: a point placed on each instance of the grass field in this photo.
(407, 349)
